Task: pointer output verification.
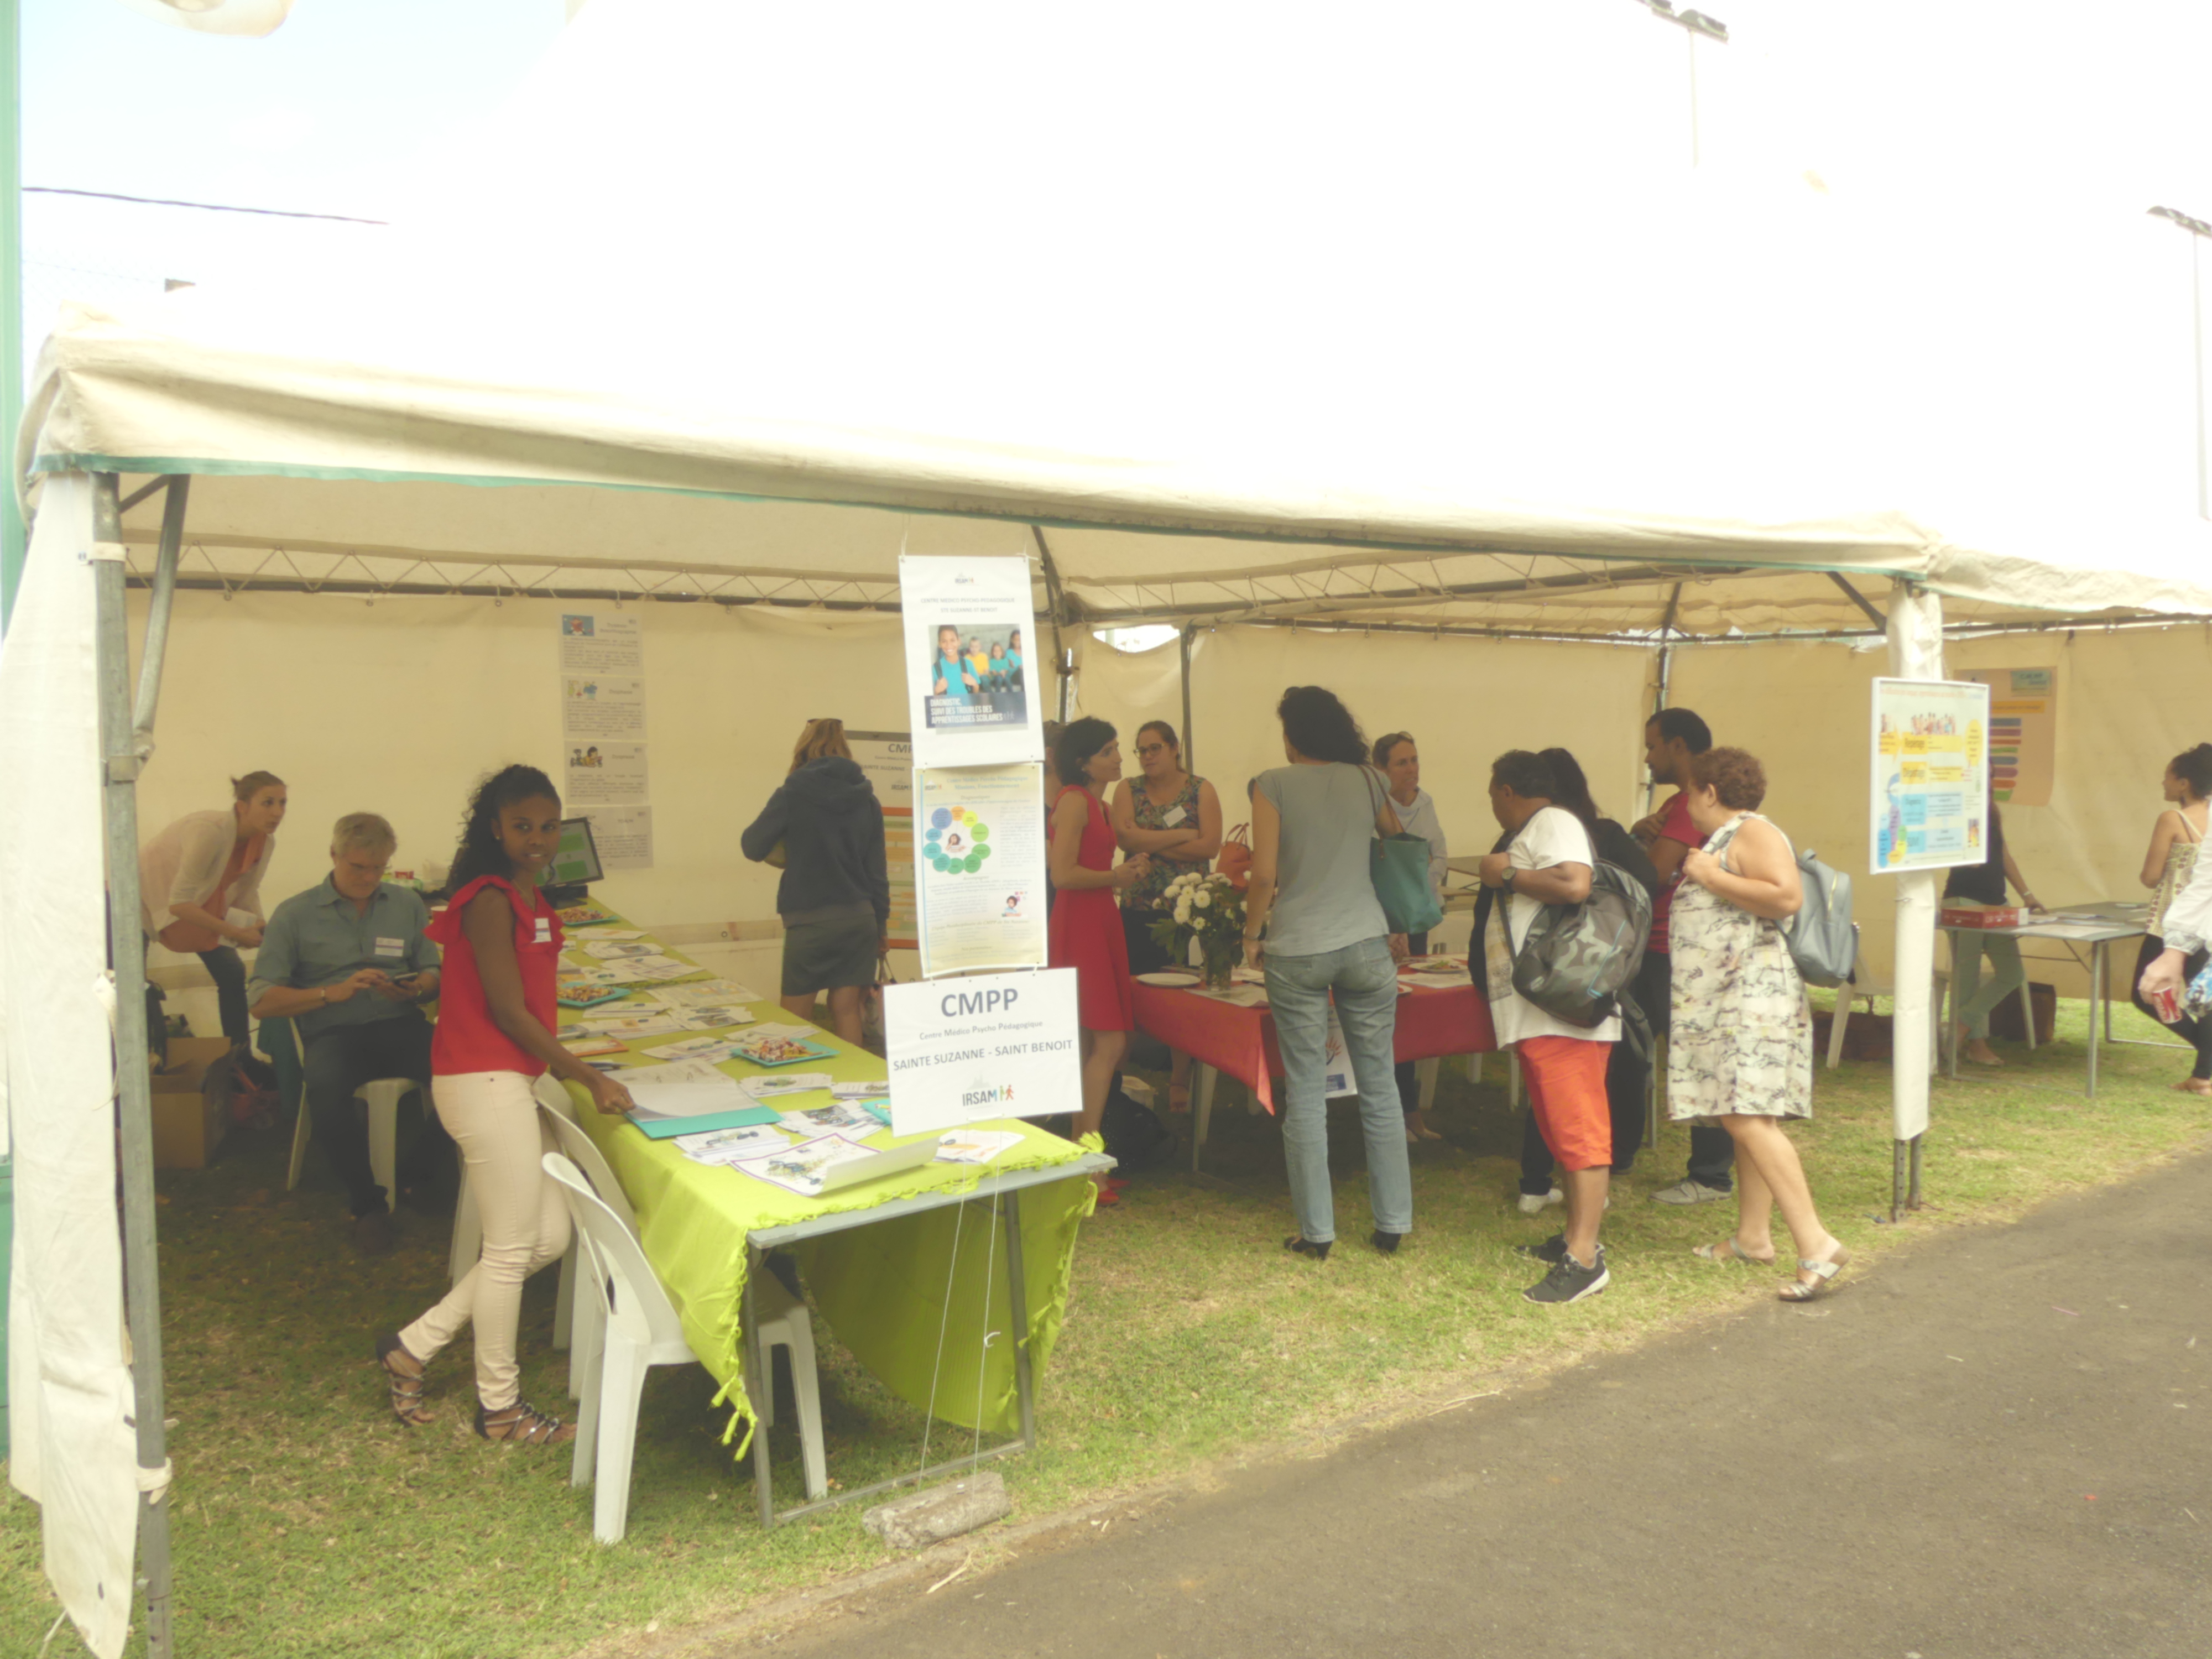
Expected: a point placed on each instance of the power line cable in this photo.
(204, 207)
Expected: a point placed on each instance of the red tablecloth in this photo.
(1241, 1042)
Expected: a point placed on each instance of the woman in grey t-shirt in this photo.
(1312, 821)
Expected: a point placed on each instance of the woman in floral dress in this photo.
(1741, 1054)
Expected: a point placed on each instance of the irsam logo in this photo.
(999, 1097)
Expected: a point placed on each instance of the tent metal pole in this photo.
(157, 615)
(1189, 744)
(1916, 653)
(1055, 605)
(127, 951)
(1666, 675)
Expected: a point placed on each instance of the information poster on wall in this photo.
(970, 674)
(624, 835)
(888, 759)
(979, 864)
(2023, 732)
(965, 1051)
(1930, 782)
(601, 681)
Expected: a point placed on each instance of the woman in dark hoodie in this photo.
(836, 896)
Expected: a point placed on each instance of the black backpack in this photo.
(1135, 1138)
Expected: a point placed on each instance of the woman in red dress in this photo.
(1085, 931)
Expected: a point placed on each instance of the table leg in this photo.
(2096, 989)
(1202, 1109)
(1017, 1293)
(756, 1372)
(1948, 1038)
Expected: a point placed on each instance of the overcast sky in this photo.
(2030, 131)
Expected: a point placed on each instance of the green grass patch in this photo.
(306, 1522)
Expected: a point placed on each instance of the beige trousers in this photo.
(492, 1117)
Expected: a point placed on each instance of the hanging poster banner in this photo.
(601, 681)
(967, 1050)
(888, 759)
(1930, 795)
(979, 864)
(970, 668)
(2023, 732)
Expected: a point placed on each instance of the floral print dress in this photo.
(1742, 1040)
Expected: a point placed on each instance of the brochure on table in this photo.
(1932, 781)
(973, 691)
(980, 867)
(963, 1051)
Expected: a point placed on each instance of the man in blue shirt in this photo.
(347, 962)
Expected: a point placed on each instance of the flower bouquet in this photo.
(1210, 909)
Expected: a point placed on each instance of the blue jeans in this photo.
(1365, 983)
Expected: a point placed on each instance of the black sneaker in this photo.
(1569, 1281)
(1552, 1249)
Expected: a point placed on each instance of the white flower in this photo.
(1203, 899)
(1182, 911)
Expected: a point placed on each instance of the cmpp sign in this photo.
(992, 1046)
(998, 1000)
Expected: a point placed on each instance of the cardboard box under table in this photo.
(189, 1123)
(876, 1258)
(1432, 1023)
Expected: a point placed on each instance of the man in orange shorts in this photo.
(1549, 862)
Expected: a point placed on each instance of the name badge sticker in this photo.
(1174, 819)
(391, 947)
(544, 934)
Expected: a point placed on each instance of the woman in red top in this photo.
(1085, 929)
(498, 1008)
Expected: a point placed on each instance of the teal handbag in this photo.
(1398, 866)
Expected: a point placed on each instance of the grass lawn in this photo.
(305, 1520)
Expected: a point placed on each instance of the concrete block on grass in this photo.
(937, 1513)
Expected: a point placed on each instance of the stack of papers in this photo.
(712, 1050)
(799, 1169)
(629, 1024)
(712, 993)
(974, 1145)
(785, 1082)
(839, 1117)
(877, 1090)
(725, 1146)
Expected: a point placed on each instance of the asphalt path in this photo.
(1998, 1443)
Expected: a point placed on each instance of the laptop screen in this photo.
(577, 860)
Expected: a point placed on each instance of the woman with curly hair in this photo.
(498, 1009)
(1741, 1053)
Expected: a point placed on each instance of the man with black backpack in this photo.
(1549, 862)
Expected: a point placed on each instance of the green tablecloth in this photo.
(884, 1287)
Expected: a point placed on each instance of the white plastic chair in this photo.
(576, 1315)
(382, 1097)
(640, 1330)
(1863, 986)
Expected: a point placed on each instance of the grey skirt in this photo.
(827, 949)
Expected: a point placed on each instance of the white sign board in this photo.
(964, 1051)
(1930, 808)
(979, 862)
(972, 684)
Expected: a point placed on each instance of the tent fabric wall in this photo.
(2128, 702)
(1465, 701)
(401, 706)
(70, 1389)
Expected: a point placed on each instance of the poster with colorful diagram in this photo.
(1930, 797)
(979, 861)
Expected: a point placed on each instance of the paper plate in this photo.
(1176, 981)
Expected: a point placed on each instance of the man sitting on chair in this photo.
(346, 962)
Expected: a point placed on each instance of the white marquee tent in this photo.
(730, 309)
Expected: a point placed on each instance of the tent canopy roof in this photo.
(1588, 396)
